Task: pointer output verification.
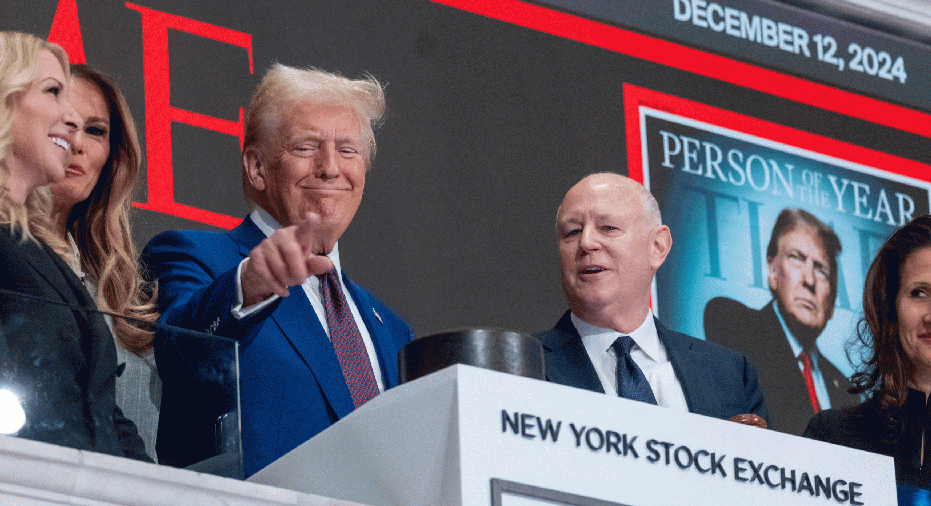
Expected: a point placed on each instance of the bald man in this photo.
(611, 242)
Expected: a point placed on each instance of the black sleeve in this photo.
(132, 444)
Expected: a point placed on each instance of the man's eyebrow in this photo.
(307, 135)
(608, 216)
(350, 139)
(568, 221)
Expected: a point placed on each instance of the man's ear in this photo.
(256, 168)
(771, 269)
(660, 244)
(830, 309)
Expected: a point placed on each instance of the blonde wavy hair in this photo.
(284, 86)
(19, 68)
(100, 225)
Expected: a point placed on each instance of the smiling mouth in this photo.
(61, 142)
(595, 269)
(74, 170)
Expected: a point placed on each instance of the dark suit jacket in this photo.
(60, 361)
(867, 427)
(291, 383)
(716, 381)
(759, 334)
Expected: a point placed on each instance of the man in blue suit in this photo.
(611, 243)
(313, 344)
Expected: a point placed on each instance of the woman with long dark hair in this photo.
(895, 333)
(90, 213)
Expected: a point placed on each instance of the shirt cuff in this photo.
(240, 312)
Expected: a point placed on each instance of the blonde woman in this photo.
(57, 359)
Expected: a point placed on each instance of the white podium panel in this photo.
(468, 436)
(41, 474)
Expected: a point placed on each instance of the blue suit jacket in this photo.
(716, 381)
(291, 383)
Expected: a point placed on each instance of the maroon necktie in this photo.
(809, 380)
(347, 341)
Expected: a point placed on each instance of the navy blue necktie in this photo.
(631, 383)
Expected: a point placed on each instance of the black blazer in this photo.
(60, 361)
(866, 427)
(716, 381)
(759, 334)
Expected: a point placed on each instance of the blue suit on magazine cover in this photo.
(716, 381)
(291, 383)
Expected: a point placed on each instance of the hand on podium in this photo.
(749, 419)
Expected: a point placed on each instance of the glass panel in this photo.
(57, 370)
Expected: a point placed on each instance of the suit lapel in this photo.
(783, 357)
(248, 235)
(298, 322)
(377, 330)
(691, 370)
(95, 338)
(837, 385)
(794, 400)
(43, 260)
(567, 362)
(794, 390)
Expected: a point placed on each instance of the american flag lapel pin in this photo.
(378, 316)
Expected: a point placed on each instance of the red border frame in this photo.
(698, 62)
(636, 96)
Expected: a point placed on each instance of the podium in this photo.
(41, 474)
(468, 436)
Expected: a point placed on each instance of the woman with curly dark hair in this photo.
(895, 334)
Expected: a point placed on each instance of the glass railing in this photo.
(55, 375)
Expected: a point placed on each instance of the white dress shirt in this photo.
(821, 389)
(648, 353)
(311, 287)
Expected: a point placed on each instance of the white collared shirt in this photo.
(648, 353)
(311, 287)
(821, 389)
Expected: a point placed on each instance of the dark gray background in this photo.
(656, 17)
(488, 125)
